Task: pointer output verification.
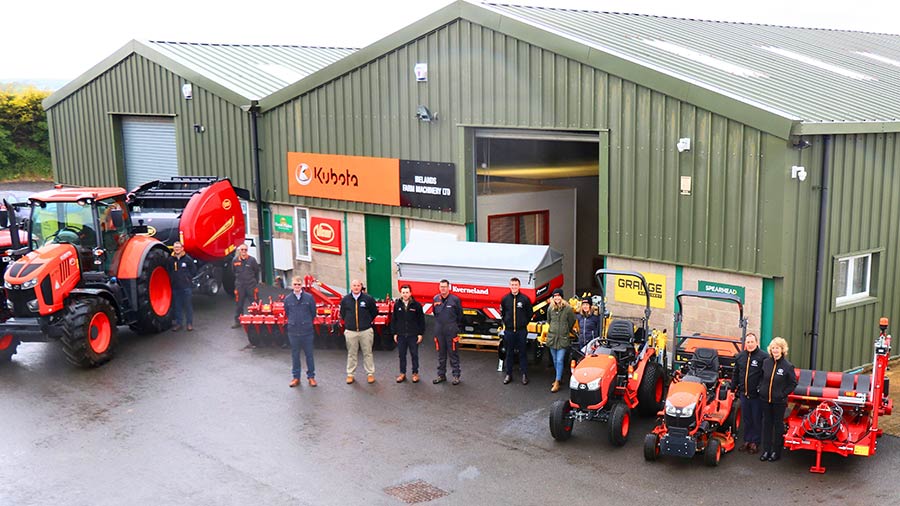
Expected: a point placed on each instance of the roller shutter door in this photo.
(149, 149)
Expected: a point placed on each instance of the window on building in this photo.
(853, 277)
(531, 227)
(301, 234)
(245, 208)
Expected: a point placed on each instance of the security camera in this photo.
(423, 114)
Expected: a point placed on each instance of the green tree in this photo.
(24, 138)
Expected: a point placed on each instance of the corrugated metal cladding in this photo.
(862, 217)
(481, 77)
(84, 127)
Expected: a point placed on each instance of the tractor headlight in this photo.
(33, 305)
(573, 383)
(30, 283)
(7, 285)
(684, 412)
(594, 385)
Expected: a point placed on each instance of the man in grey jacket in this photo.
(448, 318)
(246, 278)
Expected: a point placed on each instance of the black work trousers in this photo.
(516, 347)
(773, 427)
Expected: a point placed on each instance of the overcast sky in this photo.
(61, 39)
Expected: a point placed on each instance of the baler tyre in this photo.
(733, 420)
(8, 347)
(154, 295)
(89, 333)
(713, 453)
(619, 424)
(228, 278)
(650, 390)
(560, 422)
(651, 447)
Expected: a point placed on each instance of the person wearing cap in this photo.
(515, 311)
(246, 279)
(560, 319)
(588, 323)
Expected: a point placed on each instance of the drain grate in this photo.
(414, 492)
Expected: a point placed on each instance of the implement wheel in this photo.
(89, 334)
(8, 347)
(154, 295)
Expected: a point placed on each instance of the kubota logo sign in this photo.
(340, 177)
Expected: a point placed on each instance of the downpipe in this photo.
(820, 251)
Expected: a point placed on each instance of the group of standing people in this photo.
(764, 381)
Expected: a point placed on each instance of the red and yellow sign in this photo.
(325, 235)
(341, 177)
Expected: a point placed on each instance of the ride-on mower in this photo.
(838, 412)
(701, 413)
(619, 372)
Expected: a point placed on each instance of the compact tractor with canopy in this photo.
(86, 268)
(838, 412)
(701, 413)
(619, 372)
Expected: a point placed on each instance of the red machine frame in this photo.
(837, 412)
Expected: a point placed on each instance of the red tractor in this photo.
(87, 269)
(838, 412)
(701, 413)
(620, 372)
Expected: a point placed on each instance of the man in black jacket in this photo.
(448, 318)
(182, 270)
(747, 373)
(408, 322)
(515, 311)
(358, 310)
(778, 381)
(246, 278)
(300, 309)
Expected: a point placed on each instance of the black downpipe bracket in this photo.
(257, 186)
(820, 251)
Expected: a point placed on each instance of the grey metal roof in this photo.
(803, 74)
(252, 71)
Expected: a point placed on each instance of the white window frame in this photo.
(843, 297)
(301, 226)
(245, 208)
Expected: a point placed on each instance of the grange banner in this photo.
(325, 235)
(629, 290)
(341, 177)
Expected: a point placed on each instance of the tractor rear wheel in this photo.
(619, 424)
(650, 390)
(560, 422)
(154, 295)
(8, 347)
(713, 452)
(733, 421)
(89, 331)
(651, 446)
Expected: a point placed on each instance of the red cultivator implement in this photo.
(265, 321)
(838, 412)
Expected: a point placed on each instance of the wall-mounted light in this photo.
(187, 90)
(684, 144)
(423, 114)
(798, 172)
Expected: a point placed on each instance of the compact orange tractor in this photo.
(701, 413)
(619, 372)
(86, 269)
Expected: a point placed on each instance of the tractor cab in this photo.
(95, 223)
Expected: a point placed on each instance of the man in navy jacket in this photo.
(300, 309)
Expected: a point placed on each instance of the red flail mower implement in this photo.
(838, 412)
(265, 322)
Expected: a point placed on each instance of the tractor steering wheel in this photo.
(68, 234)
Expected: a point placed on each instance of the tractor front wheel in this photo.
(8, 347)
(713, 452)
(619, 424)
(650, 390)
(154, 295)
(560, 422)
(89, 331)
(651, 446)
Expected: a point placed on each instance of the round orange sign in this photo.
(324, 233)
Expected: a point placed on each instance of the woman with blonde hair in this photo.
(777, 382)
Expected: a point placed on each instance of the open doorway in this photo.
(541, 187)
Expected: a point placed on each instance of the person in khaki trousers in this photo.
(358, 310)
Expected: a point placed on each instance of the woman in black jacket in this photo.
(777, 382)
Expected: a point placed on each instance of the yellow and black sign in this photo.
(630, 290)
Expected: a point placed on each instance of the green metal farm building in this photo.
(743, 156)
